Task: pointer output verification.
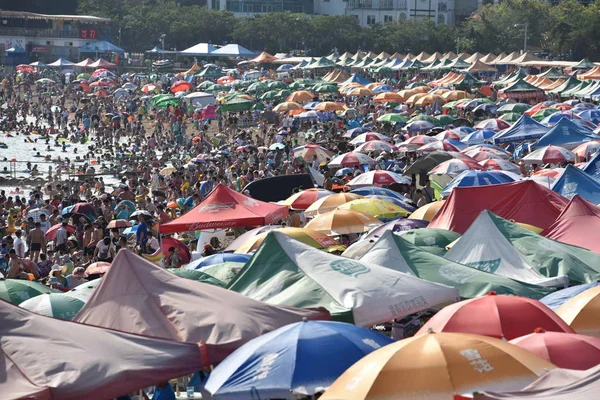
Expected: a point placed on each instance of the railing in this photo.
(377, 4)
(51, 33)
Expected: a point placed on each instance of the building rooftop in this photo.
(30, 15)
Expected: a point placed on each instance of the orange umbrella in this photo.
(374, 85)
(581, 312)
(330, 203)
(180, 86)
(421, 89)
(413, 99)
(438, 366)
(307, 236)
(301, 95)
(429, 99)
(224, 80)
(360, 92)
(287, 106)
(388, 97)
(341, 222)
(428, 211)
(454, 95)
(329, 106)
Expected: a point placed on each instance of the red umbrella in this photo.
(99, 84)
(118, 223)
(565, 350)
(83, 208)
(495, 124)
(502, 317)
(52, 231)
(25, 68)
(180, 86)
(184, 252)
(99, 267)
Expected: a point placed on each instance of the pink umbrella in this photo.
(483, 155)
(448, 134)
(99, 84)
(587, 149)
(51, 233)
(455, 166)
(351, 159)
(376, 145)
(494, 124)
(415, 142)
(443, 145)
(549, 155)
(487, 150)
(499, 165)
(99, 267)
(366, 137)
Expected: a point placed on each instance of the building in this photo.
(48, 37)
(367, 12)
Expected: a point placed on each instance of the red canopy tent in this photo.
(102, 63)
(263, 58)
(576, 225)
(85, 63)
(137, 296)
(51, 359)
(524, 201)
(226, 208)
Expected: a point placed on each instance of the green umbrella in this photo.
(425, 117)
(55, 305)
(415, 84)
(236, 104)
(84, 76)
(205, 85)
(433, 240)
(282, 94)
(259, 106)
(277, 85)
(540, 115)
(85, 290)
(393, 118)
(17, 291)
(196, 275)
(510, 117)
(167, 101)
(45, 80)
(216, 88)
(452, 104)
(224, 272)
(270, 95)
(513, 108)
(325, 88)
(158, 97)
(444, 119)
(257, 87)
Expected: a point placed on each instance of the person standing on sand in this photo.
(36, 242)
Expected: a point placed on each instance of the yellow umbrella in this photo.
(329, 203)
(413, 99)
(341, 222)
(388, 97)
(438, 366)
(301, 95)
(429, 99)
(287, 106)
(428, 211)
(167, 171)
(582, 312)
(421, 89)
(360, 92)
(308, 236)
(380, 209)
(406, 93)
(329, 106)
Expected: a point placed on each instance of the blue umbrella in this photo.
(554, 118)
(311, 105)
(457, 143)
(285, 67)
(558, 298)
(382, 88)
(420, 126)
(464, 129)
(486, 107)
(352, 133)
(343, 172)
(130, 231)
(590, 115)
(66, 210)
(479, 137)
(218, 259)
(476, 178)
(298, 359)
(393, 200)
(379, 191)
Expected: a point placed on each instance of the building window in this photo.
(216, 5)
(402, 4)
(388, 18)
(441, 19)
(402, 16)
(370, 19)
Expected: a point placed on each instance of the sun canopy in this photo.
(101, 47)
(526, 128)
(592, 168)
(567, 134)
(285, 271)
(263, 58)
(61, 62)
(356, 78)
(232, 50)
(137, 296)
(574, 181)
(45, 358)
(524, 201)
(102, 63)
(484, 247)
(574, 225)
(201, 49)
(393, 252)
(226, 208)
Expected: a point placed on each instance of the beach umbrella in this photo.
(276, 146)
(415, 142)
(510, 117)
(474, 152)
(308, 151)
(454, 95)
(287, 106)
(180, 86)
(140, 212)
(17, 291)
(301, 95)
(98, 268)
(277, 85)
(55, 305)
(129, 86)
(367, 136)
(518, 108)
(150, 87)
(351, 159)
(430, 99)
(376, 145)
(438, 145)
(444, 119)
(298, 359)
(558, 298)
(167, 171)
(588, 149)
(428, 211)
(380, 209)
(393, 118)
(99, 84)
(341, 222)
(307, 236)
(448, 134)
(303, 199)
(388, 97)
(486, 108)
(45, 81)
(543, 113)
(35, 214)
(590, 115)
(360, 92)
(380, 191)
(407, 206)
(51, 233)
(476, 178)
(555, 117)
(325, 88)
(438, 366)
(330, 203)
(184, 251)
(496, 317)
(218, 258)
(329, 106)
(257, 87)
(455, 166)
(83, 208)
(479, 136)
(549, 155)
(565, 350)
(499, 165)
(398, 225)
(581, 312)
(494, 124)
(378, 178)
(119, 223)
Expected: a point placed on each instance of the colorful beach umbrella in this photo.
(398, 225)
(17, 291)
(341, 222)
(376, 145)
(415, 142)
(588, 149)
(479, 137)
(378, 178)
(305, 198)
(330, 203)
(549, 155)
(393, 118)
(440, 145)
(351, 159)
(499, 165)
(380, 209)
(494, 124)
(496, 317)
(476, 178)
(51, 233)
(287, 106)
(308, 151)
(368, 136)
(581, 312)
(455, 166)
(55, 305)
(438, 366)
(312, 238)
(428, 211)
